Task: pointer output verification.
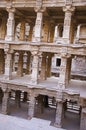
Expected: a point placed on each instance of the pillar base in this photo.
(9, 38)
(7, 77)
(66, 41)
(34, 82)
(36, 39)
(29, 118)
(56, 125)
(5, 113)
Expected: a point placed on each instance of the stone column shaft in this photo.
(30, 33)
(3, 28)
(17, 98)
(8, 66)
(65, 69)
(31, 106)
(83, 119)
(25, 98)
(1, 95)
(20, 65)
(67, 23)
(68, 71)
(49, 66)
(2, 62)
(40, 104)
(56, 33)
(10, 24)
(35, 68)
(22, 31)
(28, 64)
(46, 31)
(51, 32)
(38, 25)
(78, 32)
(43, 68)
(5, 102)
(59, 112)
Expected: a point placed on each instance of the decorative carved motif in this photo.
(69, 8)
(40, 9)
(11, 9)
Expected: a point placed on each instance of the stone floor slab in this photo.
(14, 123)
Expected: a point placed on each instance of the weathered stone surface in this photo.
(52, 27)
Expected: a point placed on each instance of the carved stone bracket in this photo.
(7, 49)
(40, 9)
(11, 9)
(69, 8)
(59, 96)
(65, 55)
(5, 88)
(36, 53)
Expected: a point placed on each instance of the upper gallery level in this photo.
(41, 21)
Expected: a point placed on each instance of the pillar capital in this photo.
(7, 49)
(50, 55)
(69, 8)
(65, 55)
(11, 9)
(44, 54)
(36, 53)
(5, 89)
(21, 52)
(40, 9)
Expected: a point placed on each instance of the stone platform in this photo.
(14, 123)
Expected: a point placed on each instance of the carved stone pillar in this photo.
(13, 62)
(2, 62)
(5, 101)
(43, 67)
(30, 33)
(40, 103)
(1, 95)
(64, 71)
(59, 114)
(78, 33)
(68, 71)
(35, 67)
(49, 66)
(22, 31)
(8, 65)
(56, 33)
(20, 65)
(83, 119)
(38, 25)
(51, 31)
(17, 98)
(10, 25)
(25, 97)
(67, 23)
(3, 28)
(45, 30)
(28, 63)
(31, 108)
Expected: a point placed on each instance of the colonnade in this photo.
(42, 30)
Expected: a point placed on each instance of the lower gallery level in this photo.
(30, 86)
